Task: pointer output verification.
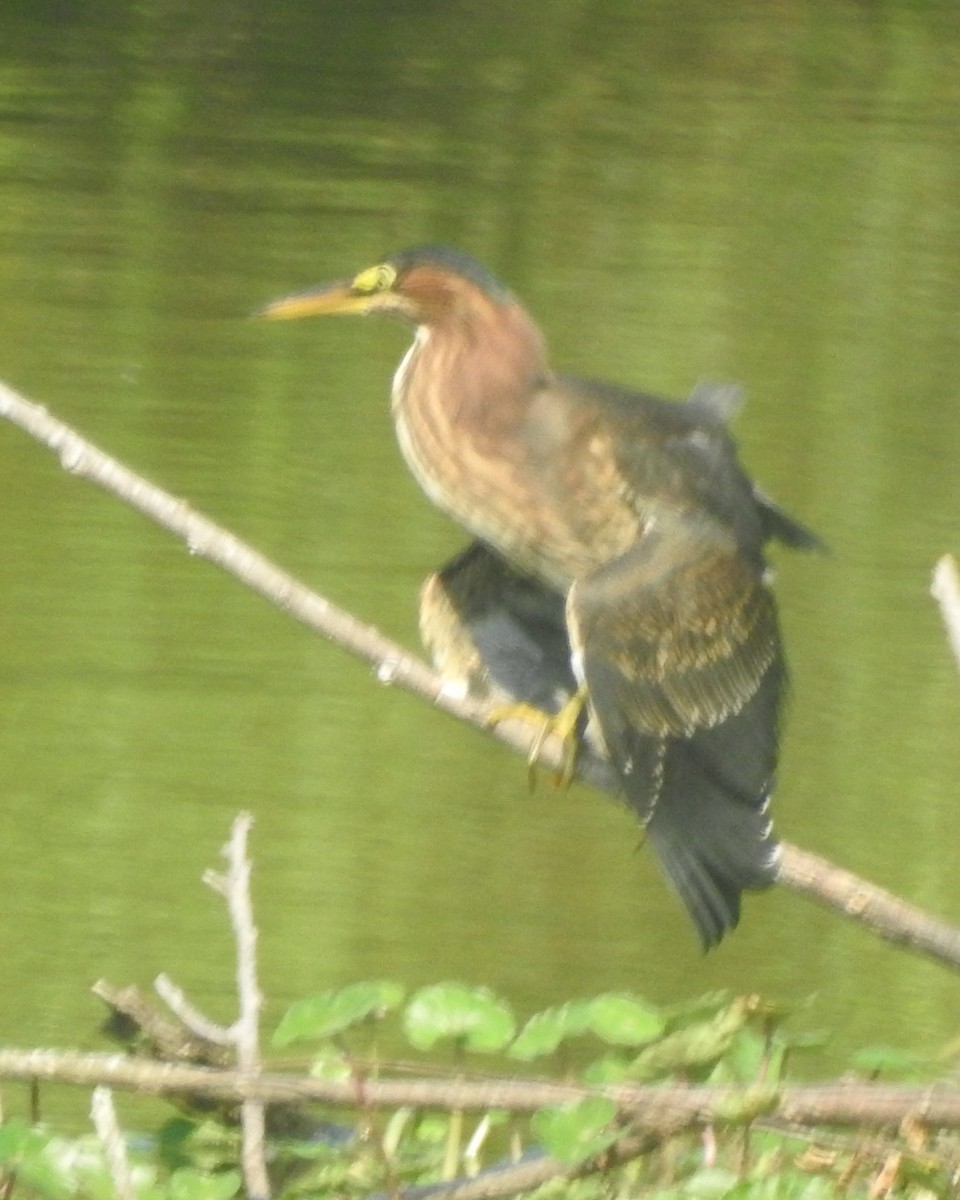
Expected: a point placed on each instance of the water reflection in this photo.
(678, 192)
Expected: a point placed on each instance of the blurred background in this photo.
(679, 191)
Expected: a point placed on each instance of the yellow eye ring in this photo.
(380, 278)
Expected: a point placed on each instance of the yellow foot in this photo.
(562, 723)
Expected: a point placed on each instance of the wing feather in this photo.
(678, 644)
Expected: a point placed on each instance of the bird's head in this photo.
(429, 285)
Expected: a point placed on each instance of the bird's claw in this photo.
(562, 724)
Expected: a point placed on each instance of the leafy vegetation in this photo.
(586, 1147)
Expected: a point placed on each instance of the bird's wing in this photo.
(500, 634)
(676, 633)
(678, 645)
(685, 451)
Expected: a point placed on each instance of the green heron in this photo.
(618, 556)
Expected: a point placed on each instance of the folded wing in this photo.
(678, 644)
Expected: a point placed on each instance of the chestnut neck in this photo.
(476, 364)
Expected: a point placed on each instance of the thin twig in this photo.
(246, 1030)
(886, 915)
(105, 1122)
(132, 1018)
(197, 1022)
(244, 1033)
(945, 589)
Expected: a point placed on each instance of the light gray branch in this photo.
(104, 1118)
(246, 1030)
(392, 663)
(849, 1102)
(197, 1022)
(887, 916)
(945, 589)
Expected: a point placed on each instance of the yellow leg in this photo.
(562, 723)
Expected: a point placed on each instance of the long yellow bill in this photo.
(328, 299)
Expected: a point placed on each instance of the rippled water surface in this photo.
(762, 193)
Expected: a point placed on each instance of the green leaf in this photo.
(610, 1068)
(545, 1030)
(576, 1131)
(710, 1183)
(694, 1048)
(813, 1039)
(191, 1184)
(173, 1141)
(330, 1013)
(698, 1009)
(475, 1017)
(36, 1160)
(748, 1056)
(887, 1060)
(622, 1020)
(331, 1064)
(741, 1107)
(18, 1139)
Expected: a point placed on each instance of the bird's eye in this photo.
(375, 279)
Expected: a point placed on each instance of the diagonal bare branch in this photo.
(887, 916)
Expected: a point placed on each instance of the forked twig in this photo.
(235, 887)
(197, 1022)
(244, 1033)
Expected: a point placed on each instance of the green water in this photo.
(683, 191)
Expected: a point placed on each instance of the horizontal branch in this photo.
(875, 908)
(653, 1107)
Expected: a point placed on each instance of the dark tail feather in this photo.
(780, 525)
(712, 846)
(710, 826)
